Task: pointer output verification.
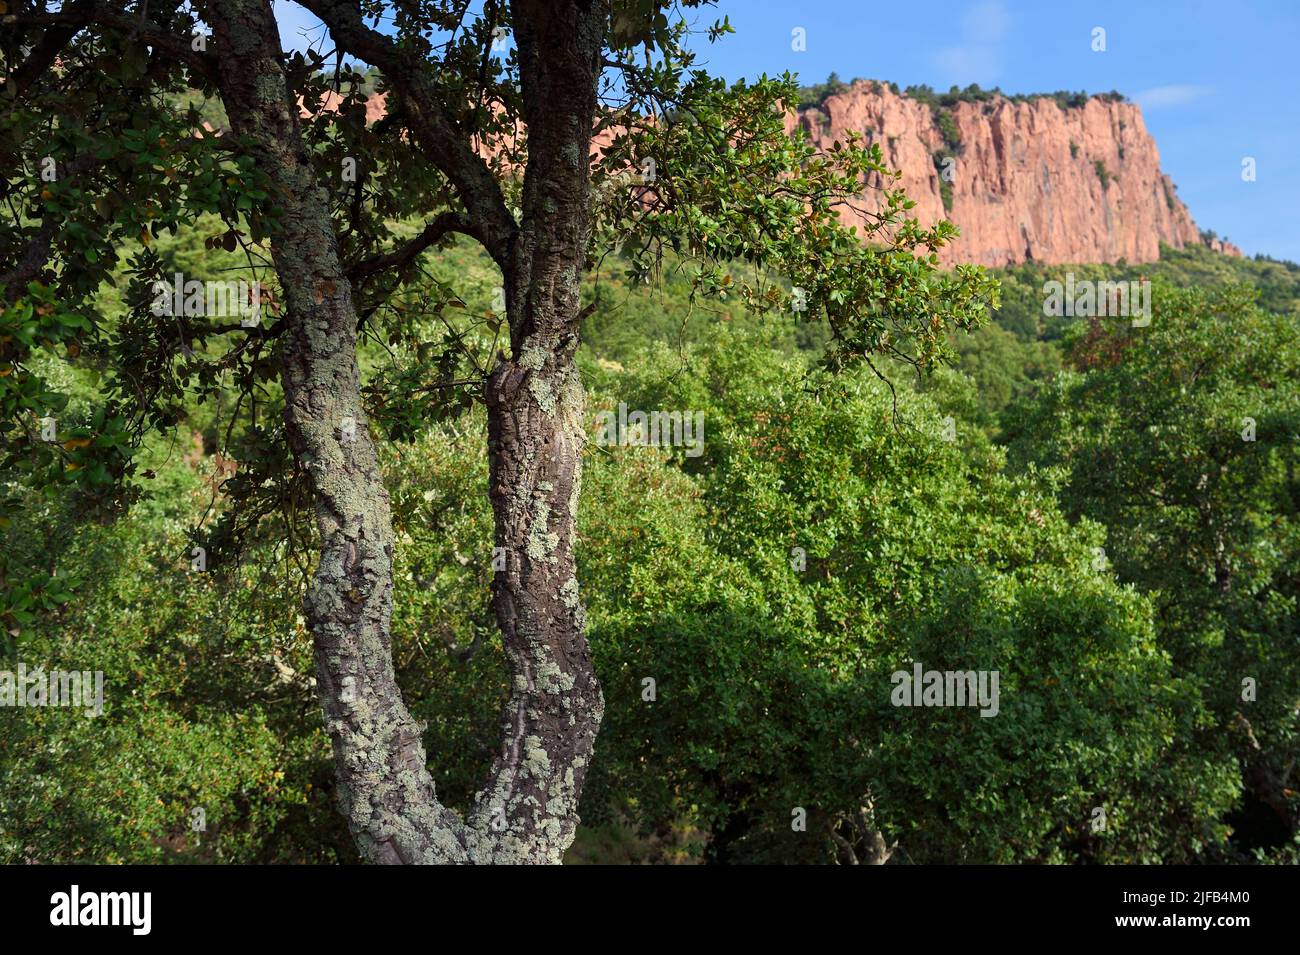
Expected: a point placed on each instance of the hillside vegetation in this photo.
(1039, 509)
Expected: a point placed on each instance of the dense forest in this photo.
(1065, 533)
(1102, 512)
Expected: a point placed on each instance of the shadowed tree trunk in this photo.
(535, 437)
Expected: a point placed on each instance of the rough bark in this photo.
(857, 841)
(535, 437)
(527, 809)
(384, 788)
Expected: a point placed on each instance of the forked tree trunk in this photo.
(527, 810)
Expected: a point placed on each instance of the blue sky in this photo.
(1216, 81)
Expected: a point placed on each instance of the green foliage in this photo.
(1065, 99)
(813, 96)
(837, 527)
(945, 185)
(945, 194)
(880, 293)
(1180, 437)
(772, 684)
(1003, 368)
(780, 678)
(207, 702)
(947, 124)
(1102, 173)
(1010, 365)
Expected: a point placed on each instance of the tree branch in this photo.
(33, 260)
(440, 227)
(78, 16)
(38, 249)
(447, 145)
(47, 50)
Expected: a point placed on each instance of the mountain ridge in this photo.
(1041, 179)
(1052, 179)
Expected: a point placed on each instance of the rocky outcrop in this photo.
(376, 105)
(1024, 180)
(1223, 246)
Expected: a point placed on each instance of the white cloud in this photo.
(987, 22)
(1177, 94)
(977, 57)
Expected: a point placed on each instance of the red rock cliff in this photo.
(1030, 182)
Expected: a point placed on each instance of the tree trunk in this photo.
(536, 432)
(384, 788)
(527, 810)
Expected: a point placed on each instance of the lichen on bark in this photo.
(527, 810)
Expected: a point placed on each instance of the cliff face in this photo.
(1030, 181)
